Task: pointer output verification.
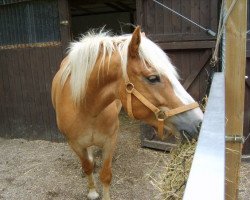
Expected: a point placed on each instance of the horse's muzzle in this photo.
(189, 123)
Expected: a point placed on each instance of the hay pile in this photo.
(174, 177)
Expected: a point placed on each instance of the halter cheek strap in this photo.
(160, 115)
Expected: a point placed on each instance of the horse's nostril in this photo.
(199, 125)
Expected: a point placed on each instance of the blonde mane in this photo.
(84, 54)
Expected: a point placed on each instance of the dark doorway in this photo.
(116, 16)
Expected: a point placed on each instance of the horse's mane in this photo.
(84, 53)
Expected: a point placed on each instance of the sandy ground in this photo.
(41, 170)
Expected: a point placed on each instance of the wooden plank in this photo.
(203, 80)
(214, 14)
(46, 88)
(204, 59)
(23, 116)
(194, 88)
(185, 64)
(235, 62)
(159, 18)
(186, 11)
(15, 104)
(205, 14)
(3, 117)
(139, 13)
(7, 96)
(37, 74)
(28, 98)
(150, 17)
(176, 20)
(26, 91)
(167, 17)
(55, 57)
(186, 45)
(195, 15)
(149, 139)
(180, 37)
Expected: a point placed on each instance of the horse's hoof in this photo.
(92, 195)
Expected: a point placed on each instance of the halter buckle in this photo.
(129, 87)
(160, 115)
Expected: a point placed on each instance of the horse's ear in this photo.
(135, 42)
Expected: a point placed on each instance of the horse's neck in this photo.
(103, 86)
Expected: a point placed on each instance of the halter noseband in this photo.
(160, 115)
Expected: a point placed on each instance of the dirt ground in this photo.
(42, 170)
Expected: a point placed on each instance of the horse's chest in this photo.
(91, 137)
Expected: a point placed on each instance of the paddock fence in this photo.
(207, 175)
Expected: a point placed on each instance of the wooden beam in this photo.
(187, 45)
(203, 61)
(158, 38)
(235, 62)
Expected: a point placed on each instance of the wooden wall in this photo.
(25, 103)
(189, 47)
(27, 68)
(166, 26)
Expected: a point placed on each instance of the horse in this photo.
(103, 73)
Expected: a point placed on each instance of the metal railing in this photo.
(207, 175)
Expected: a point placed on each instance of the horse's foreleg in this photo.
(91, 183)
(106, 172)
(88, 167)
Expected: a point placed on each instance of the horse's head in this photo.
(150, 73)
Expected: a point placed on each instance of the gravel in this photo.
(42, 170)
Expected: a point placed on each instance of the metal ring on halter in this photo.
(160, 115)
(129, 87)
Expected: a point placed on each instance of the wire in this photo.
(222, 24)
(189, 20)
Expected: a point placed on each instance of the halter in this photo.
(160, 115)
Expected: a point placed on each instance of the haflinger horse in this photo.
(101, 74)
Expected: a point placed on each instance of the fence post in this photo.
(235, 62)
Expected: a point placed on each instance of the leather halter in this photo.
(160, 115)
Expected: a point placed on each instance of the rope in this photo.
(221, 28)
(209, 31)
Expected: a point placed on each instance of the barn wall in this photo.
(166, 26)
(28, 62)
(26, 76)
(187, 45)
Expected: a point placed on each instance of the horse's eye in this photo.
(154, 79)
